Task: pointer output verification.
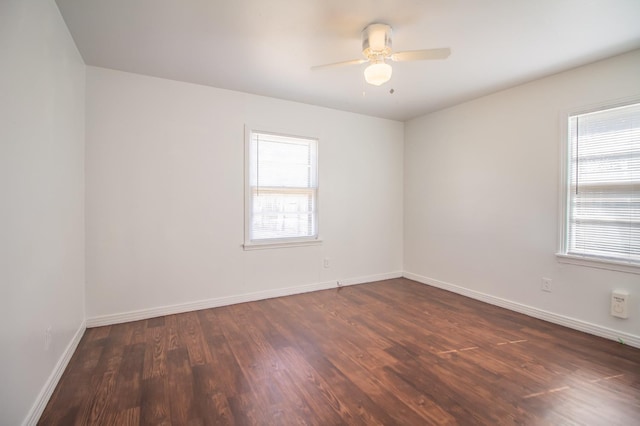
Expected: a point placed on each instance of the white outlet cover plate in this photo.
(620, 304)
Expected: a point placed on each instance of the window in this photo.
(282, 190)
(603, 186)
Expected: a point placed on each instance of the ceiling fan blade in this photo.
(421, 55)
(339, 64)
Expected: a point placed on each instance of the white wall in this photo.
(165, 184)
(41, 200)
(481, 196)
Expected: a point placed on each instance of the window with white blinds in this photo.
(603, 200)
(282, 188)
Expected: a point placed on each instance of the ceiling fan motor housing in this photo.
(376, 41)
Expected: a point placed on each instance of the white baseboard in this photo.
(231, 300)
(576, 324)
(50, 385)
(369, 278)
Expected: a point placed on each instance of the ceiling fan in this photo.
(376, 48)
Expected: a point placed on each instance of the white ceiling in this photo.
(267, 47)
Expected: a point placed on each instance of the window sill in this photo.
(281, 244)
(591, 262)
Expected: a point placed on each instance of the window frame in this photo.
(562, 254)
(248, 195)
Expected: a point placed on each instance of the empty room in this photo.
(396, 212)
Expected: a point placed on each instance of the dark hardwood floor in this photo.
(390, 352)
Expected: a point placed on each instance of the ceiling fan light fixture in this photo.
(378, 73)
(376, 49)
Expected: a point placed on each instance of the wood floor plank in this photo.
(389, 352)
(363, 409)
(192, 338)
(97, 333)
(155, 322)
(98, 412)
(155, 405)
(181, 388)
(129, 417)
(138, 334)
(128, 392)
(96, 404)
(209, 398)
(173, 338)
(316, 391)
(155, 356)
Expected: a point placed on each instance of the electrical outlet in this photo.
(619, 304)
(47, 338)
(546, 285)
(325, 263)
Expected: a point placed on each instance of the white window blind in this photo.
(283, 183)
(603, 219)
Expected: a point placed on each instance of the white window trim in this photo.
(611, 265)
(279, 242)
(563, 203)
